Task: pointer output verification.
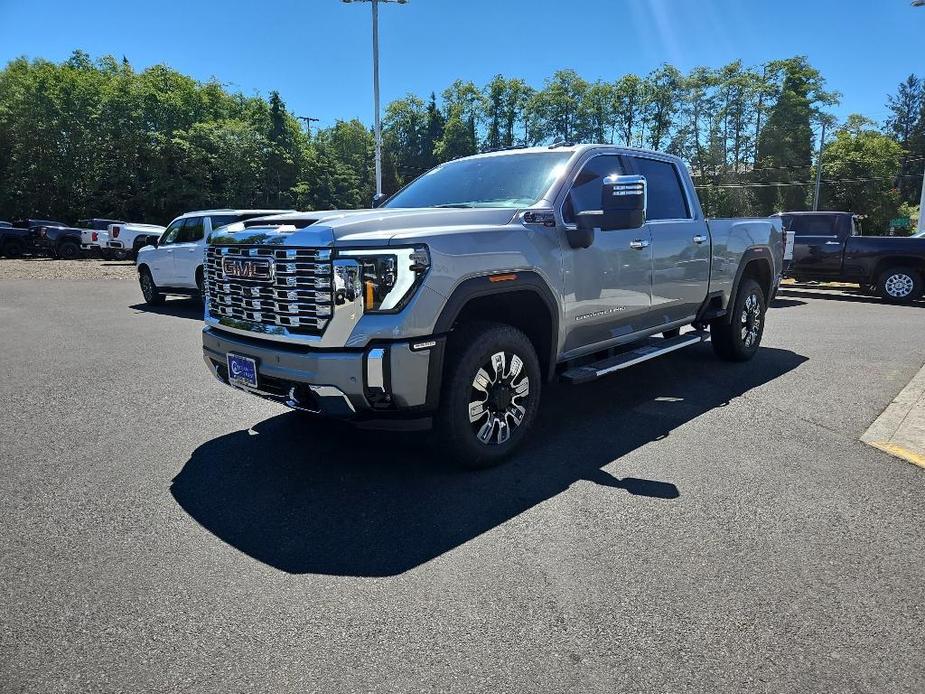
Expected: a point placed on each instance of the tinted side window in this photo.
(193, 230)
(810, 225)
(170, 234)
(665, 193)
(221, 220)
(586, 190)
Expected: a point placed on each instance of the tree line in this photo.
(89, 137)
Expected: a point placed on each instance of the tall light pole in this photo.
(819, 169)
(921, 226)
(378, 123)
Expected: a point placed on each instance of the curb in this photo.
(900, 429)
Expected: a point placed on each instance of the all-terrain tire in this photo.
(740, 338)
(899, 285)
(491, 393)
(14, 248)
(68, 250)
(149, 290)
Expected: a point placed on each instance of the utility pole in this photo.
(921, 227)
(819, 169)
(308, 123)
(378, 123)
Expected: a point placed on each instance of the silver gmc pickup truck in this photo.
(453, 301)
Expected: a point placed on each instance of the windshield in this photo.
(510, 180)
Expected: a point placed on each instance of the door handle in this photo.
(699, 239)
(639, 244)
(833, 243)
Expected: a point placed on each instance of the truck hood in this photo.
(363, 227)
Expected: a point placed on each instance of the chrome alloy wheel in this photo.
(751, 320)
(899, 285)
(496, 403)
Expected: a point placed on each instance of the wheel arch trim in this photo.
(482, 286)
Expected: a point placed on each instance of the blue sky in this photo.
(317, 52)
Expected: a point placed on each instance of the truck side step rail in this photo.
(649, 349)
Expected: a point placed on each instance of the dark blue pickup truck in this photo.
(828, 246)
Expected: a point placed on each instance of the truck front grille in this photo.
(294, 291)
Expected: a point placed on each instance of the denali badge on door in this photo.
(248, 268)
(242, 371)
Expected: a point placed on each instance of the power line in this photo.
(784, 184)
(805, 167)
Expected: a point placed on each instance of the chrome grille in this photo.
(298, 296)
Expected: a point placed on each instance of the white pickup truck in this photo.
(93, 234)
(123, 240)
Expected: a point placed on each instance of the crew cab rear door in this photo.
(680, 242)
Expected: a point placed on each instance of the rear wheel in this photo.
(68, 250)
(13, 248)
(899, 285)
(739, 339)
(491, 393)
(148, 289)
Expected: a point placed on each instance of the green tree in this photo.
(907, 125)
(404, 126)
(785, 144)
(557, 113)
(600, 112)
(458, 139)
(629, 96)
(662, 89)
(858, 171)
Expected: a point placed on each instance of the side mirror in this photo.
(623, 206)
(378, 199)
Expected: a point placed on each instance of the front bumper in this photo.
(386, 379)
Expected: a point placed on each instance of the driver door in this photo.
(161, 260)
(188, 252)
(607, 286)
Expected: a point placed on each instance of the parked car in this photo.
(92, 234)
(16, 240)
(174, 264)
(125, 240)
(455, 300)
(829, 247)
(57, 241)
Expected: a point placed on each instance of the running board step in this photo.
(649, 349)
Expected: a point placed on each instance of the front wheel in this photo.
(899, 285)
(491, 393)
(148, 289)
(739, 339)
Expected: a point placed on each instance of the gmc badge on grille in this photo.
(248, 268)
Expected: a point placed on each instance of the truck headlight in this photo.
(390, 276)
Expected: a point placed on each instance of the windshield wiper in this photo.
(456, 204)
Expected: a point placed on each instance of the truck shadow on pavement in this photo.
(176, 308)
(842, 295)
(317, 497)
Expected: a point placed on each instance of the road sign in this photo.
(900, 223)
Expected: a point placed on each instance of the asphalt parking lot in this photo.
(689, 525)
